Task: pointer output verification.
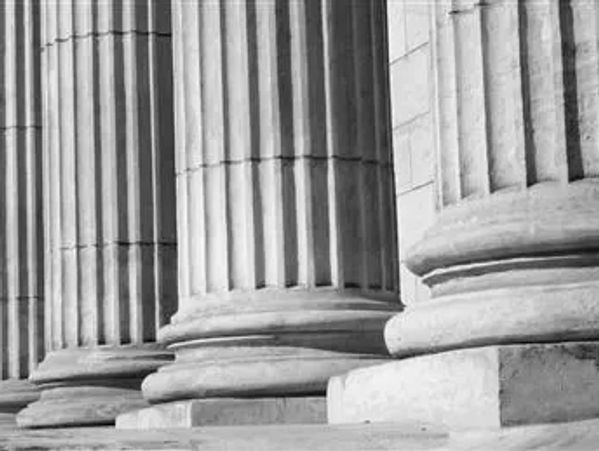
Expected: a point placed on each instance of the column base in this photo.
(16, 394)
(91, 386)
(269, 343)
(227, 412)
(488, 387)
(7, 418)
(84, 405)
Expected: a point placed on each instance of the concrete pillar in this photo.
(109, 206)
(513, 259)
(288, 265)
(21, 308)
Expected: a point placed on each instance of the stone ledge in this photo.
(488, 387)
(226, 412)
(583, 435)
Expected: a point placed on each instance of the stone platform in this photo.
(487, 387)
(364, 437)
(227, 412)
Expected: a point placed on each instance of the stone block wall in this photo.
(413, 132)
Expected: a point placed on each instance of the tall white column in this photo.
(109, 206)
(287, 263)
(21, 308)
(510, 336)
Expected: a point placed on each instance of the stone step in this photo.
(583, 435)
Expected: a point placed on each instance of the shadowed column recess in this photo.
(109, 205)
(287, 262)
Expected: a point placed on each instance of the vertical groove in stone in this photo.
(302, 139)
(585, 26)
(505, 130)
(46, 176)
(186, 68)
(282, 155)
(238, 146)
(569, 43)
(269, 144)
(163, 168)
(535, 116)
(109, 156)
(86, 175)
(447, 104)
(542, 88)
(214, 147)
(385, 196)
(364, 109)
(21, 269)
(69, 121)
(471, 99)
(52, 202)
(111, 114)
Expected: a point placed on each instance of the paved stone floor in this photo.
(582, 435)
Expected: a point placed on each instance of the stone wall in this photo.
(413, 131)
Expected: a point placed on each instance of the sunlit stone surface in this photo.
(109, 198)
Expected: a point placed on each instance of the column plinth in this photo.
(510, 335)
(16, 394)
(516, 267)
(271, 343)
(91, 386)
(109, 195)
(288, 270)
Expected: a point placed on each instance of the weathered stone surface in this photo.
(7, 419)
(16, 394)
(91, 403)
(410, 95)
(226, 411)
(320, 437)
(486, 387)
(583, 435)
(86, 386)
(279, 348)
(513, 267)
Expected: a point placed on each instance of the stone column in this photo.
(513, 259)
(109, 206)
(288, 265)
(21, 309)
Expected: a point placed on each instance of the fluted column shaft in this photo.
(21, 308)
(513, 256)
(109, 204)
(287, 268)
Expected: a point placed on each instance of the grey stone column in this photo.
(288, 265)
(109, 206)
(21, 308)
(513, 259)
